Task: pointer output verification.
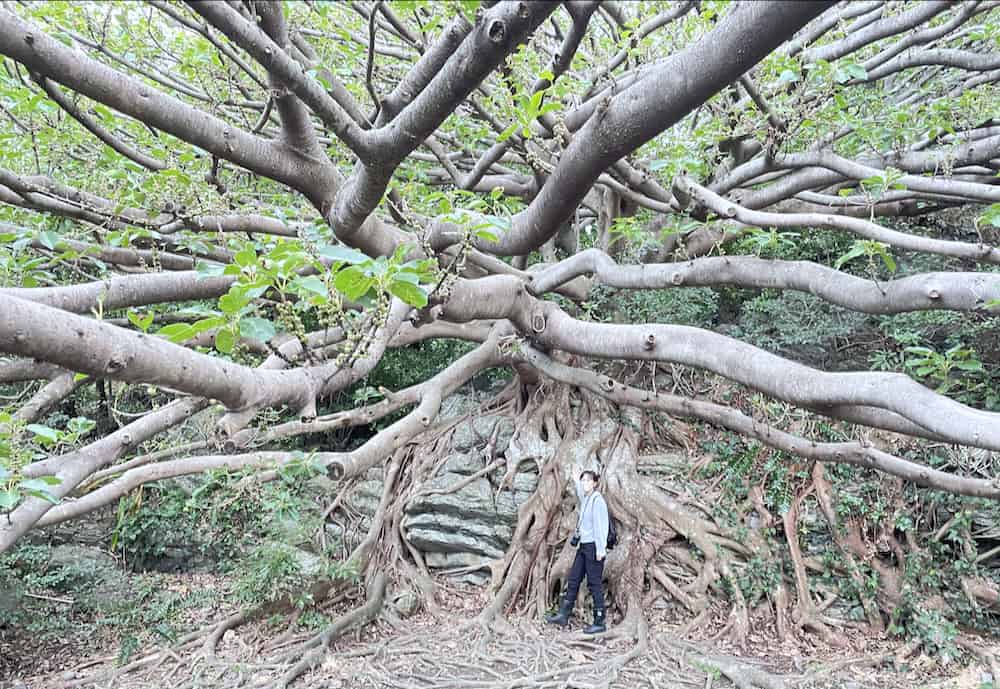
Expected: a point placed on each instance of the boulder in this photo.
(291, 530)
(180, 557)
(453, 561)
(92, 531)
(90, 575)
(447, 533)
(309, 564)
(367, 494)
(476, 433)
(465, 463)
(457, 405)
(467, 528)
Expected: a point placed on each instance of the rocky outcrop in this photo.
(456, 522)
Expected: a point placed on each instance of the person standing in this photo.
(591, 539)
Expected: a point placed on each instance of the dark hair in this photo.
(591, 474)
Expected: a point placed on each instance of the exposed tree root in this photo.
(670, 547)
(315, 648)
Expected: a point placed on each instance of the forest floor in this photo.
(447, 649)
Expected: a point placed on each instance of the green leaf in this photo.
(856, 250)
(969, 365)
(245, 258)
(502, 224)
(535, 102)
(80, 425)
(49, 239)
(40, 483)
(140, 321)
(991, 215)
(43, 494)
(344, 254)
(257, 328)
(414, 295)
(207, 324)
(225, 340)
(9, 499)
(231, 302)
(788, 76)
(206, 269)
(257, 288)
(353, 283)
(177, 332)
(311, 283)
(508, 132)
(44, 433)
(77, 377)
(408, 276)
(886, 257)
(856, 71)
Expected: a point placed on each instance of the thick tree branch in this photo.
(296, 125)
(889, 26)
(422, 73)
(41, 193)
(73, 467)
(383, 444)
(284, 70)
(331, 378)
(53, 92)
(626, 121)
(103, 350)
(676, 11)
(58, 389)
(819, 169)
(550, 327)
(126, 291)
(955, 291)
(840, 12)
(429, 394)
(863, 228)
(18, 370)
(856, 452)
(31, 46)
(944, 57)
(498, 33)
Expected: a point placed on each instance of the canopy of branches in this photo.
(247, 204)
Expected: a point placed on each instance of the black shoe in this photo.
(598, 627)
(560, 618)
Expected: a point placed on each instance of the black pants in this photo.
(586, 561)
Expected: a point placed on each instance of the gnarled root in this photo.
(315, 648)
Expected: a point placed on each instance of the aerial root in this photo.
(213, 631)
(314, 650)
(989, 656)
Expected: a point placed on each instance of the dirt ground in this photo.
(446, 649)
